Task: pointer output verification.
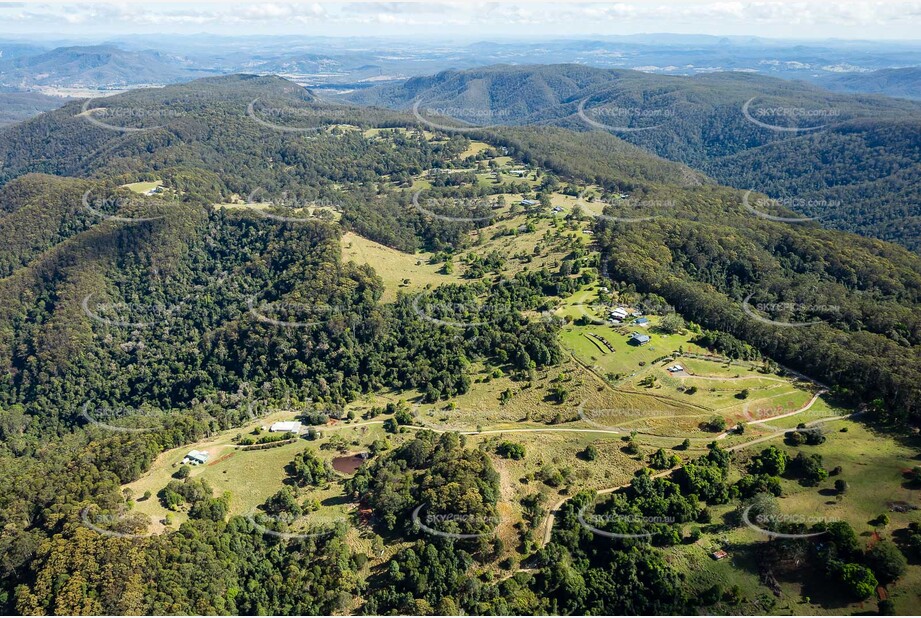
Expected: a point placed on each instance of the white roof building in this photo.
(196, 457)
(290, 426)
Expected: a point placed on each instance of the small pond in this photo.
(348, 464)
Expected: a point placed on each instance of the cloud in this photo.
(614, 17)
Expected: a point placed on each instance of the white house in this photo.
(196, 457)
(286, 426)
(619, 314)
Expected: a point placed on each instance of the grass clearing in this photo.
(143, 187)
(394, 267)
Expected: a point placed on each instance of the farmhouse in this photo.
(641, 321)
(286, 426)
(675, 368)
(619, 314)
(196, 457)
(529, 202)
(639, 339)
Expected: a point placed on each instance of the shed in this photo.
(286, 426)
(639, 339)
(196, 458)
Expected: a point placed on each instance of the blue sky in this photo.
(803, 19)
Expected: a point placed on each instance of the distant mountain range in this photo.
(903, 83)
(854, 161)
(95, 66)
(355, 62)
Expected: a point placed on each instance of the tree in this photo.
(183, 472)
(858, 581)
(886, 607)
(841, 486)
(511, 450)
(887, 561)
(308, 469)
(659, 460)
(671, 323)
(590, 453)
(283, 501)
(772, 461)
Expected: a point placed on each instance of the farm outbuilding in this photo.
(286, 426)
(639, 339)
(196, 458)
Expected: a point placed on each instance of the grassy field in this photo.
(250, 476)
(143, 187)
(872, 464)
(394, 267)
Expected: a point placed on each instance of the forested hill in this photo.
(902, 83)
(851, 159)
(175, 255)
(223, 139)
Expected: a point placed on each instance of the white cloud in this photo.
(867, 17)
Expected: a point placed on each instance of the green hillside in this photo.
(851, 160)
(436, 309)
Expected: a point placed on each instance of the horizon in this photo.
(808, 20)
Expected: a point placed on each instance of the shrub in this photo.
(511, 450)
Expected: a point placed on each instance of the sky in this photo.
(798, 19)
